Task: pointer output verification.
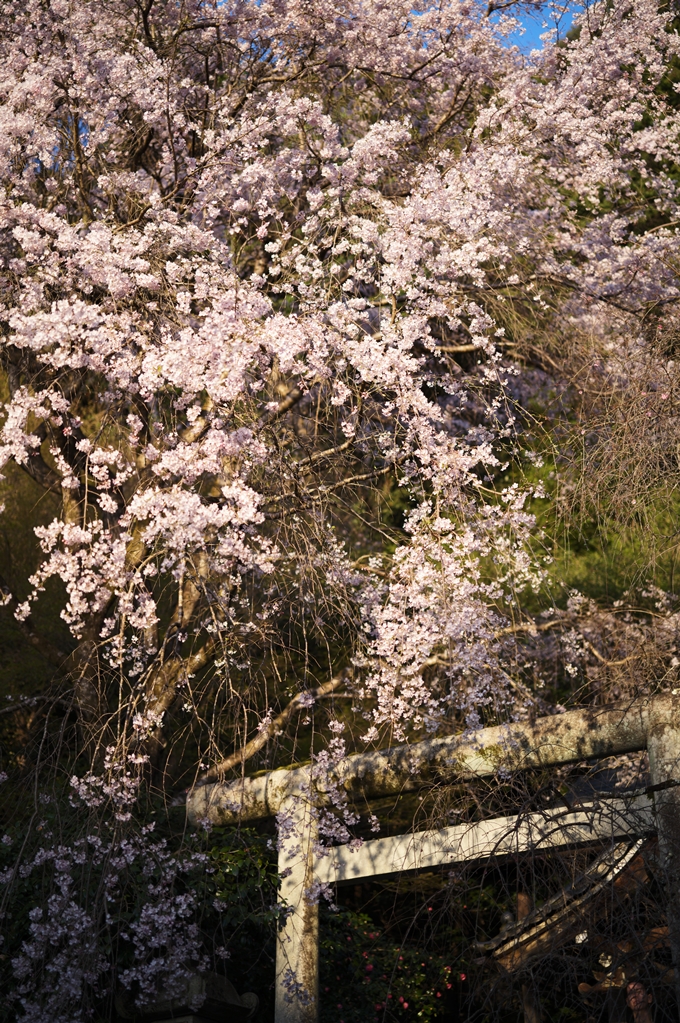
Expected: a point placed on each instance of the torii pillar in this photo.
(663, 746)
(566, 738)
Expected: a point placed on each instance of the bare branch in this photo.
(272, 728)
(474, 348)
(292, 398)
(328, 453)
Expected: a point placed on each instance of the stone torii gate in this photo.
(566, 738)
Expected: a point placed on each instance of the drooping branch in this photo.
(36, 467)
(30, 702)
(269, 729)
(291, 399)
(49, 651)
(161, 690)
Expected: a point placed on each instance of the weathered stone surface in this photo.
(560, 739)
(663, 744)
(601, 821)
(297, 942)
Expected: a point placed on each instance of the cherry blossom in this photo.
(242, 247)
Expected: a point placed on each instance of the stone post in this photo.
(663, 744)
(297, 950)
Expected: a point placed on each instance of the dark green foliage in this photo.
(241, 911)
(366, 976)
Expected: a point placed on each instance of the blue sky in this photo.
(534, 26)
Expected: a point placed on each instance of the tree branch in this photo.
(327, 488)
(51, 653)
(32, 701)
(474, 348)
(36, 467)
(163, 686)
(272, 728)
(292, 398)
(318, 455)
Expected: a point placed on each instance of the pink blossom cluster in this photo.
(438, 609)
(485, 173)
(85, 918)
(246, 249)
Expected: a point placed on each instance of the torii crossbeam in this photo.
(565, 738)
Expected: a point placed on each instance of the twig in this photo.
(318, 455)
(603, 660)
(474, 348)
(27, 701)
(292, 398)
(272, 728)
(530, 627)
(326, 488)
